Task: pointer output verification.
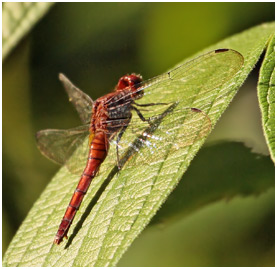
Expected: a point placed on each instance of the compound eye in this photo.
(136, 80)
(122, 83)
(131, 81)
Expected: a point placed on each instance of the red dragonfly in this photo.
(169, 97)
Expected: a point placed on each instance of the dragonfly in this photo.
(138, 114)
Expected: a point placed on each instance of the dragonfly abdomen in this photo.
(97, 154)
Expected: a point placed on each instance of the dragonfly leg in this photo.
(139, 114)
(144, 105)
(117, 142)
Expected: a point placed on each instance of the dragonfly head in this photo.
(131, 82)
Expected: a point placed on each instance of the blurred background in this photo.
(96, 43)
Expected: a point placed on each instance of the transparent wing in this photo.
(164, 129)
(175, 127)
(199, 76)
(81, 101)
(59, 145)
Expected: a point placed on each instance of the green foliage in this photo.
(113, 214)
(266, 94)
(18, 19)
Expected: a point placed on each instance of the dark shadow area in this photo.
(234, 170)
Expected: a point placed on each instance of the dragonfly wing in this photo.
(177, 128)
(59, 145)
(81, 101)
(198, 76)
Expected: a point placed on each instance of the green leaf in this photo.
(119, 205)
(266, 94)
(17, 20)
